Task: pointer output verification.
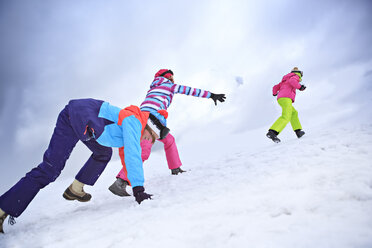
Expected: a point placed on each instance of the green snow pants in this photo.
(289, 114)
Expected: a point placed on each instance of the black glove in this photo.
(140, 195)
(275, 94)
(303, 87)
(219, 97)
(177, 170)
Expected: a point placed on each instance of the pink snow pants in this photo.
(171, 153)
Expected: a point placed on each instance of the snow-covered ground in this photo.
(240, 189)
(309, 192)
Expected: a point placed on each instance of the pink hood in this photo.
(287, 87)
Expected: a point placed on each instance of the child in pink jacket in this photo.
(286, 94)
(158, 99)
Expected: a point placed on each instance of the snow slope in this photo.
(309, 192)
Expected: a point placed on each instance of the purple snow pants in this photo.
(63, 140)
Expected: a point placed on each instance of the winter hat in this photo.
(158, 123)
(164, 73)
(297, 71)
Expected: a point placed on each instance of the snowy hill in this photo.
(240, 189)
(312, 192)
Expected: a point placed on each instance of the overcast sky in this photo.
(53, 51)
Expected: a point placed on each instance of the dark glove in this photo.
(177, 170)
(140, 195)
(275, 94)
(219, 97)
(303, 87)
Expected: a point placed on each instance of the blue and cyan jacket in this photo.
(112, 127)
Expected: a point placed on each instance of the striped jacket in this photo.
(161, 94)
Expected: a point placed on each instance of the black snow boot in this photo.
(273, 135)
(299, 133)
(177, 170)
(118, 187)
(2, 219)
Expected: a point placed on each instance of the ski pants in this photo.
(63, 140)
(289, 114)
(171, 153)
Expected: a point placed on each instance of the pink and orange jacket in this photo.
(287, 87)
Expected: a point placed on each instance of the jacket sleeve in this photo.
(132, 128)
(186, 90)
(295, 83)
(276, 89)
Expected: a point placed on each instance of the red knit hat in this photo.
(164, 73)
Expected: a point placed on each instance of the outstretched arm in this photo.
(189, 91)
(131, 127)
(186, 90)
(132, 156)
